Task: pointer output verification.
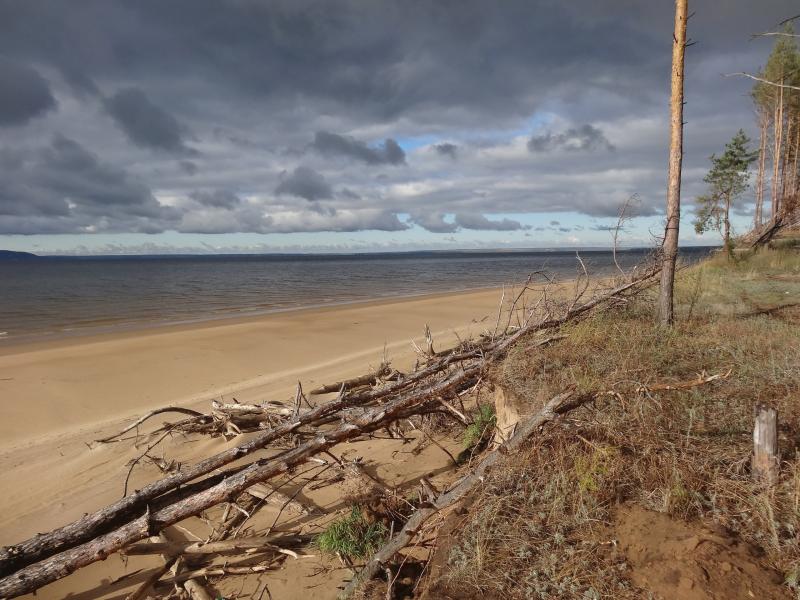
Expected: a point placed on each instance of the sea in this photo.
(57, 296)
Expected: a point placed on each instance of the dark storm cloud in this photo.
(333, 144)
(217, 198)
(24, 93)
(306, 183)
(255, 80)
(447, 149)
(64, 188)
(377, 60)
(143, 122)
(188, 167)
(433, 222)
(574, 139)
(478, 221)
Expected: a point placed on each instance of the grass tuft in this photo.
(481, 427)
(352, 536)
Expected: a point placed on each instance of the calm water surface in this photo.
(66, 295)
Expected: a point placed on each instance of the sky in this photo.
(344, 126)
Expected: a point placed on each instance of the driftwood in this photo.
(141, 592)
(355, 382)
(271, 496)
(33, 563)
(234, 408)
(221, 570)
(196, 590)
(223, 547)
(702, 379)
(558, 405)
(152, 413)
(37, 575)
(91, 525)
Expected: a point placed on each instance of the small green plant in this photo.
(483, 425)
(592, 469)
(352, 536)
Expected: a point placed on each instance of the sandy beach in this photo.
(60, 395)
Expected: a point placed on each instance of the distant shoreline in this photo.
(360, 255)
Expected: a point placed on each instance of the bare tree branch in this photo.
(769, 33)
(762, 80)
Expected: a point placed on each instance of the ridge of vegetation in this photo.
(672, 434)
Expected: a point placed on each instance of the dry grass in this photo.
(539, 528)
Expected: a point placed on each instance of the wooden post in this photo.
(765, 445)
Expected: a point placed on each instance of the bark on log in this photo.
(558, 405)
(368, 379)
(765, 445)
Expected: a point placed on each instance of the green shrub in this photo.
(352, 536)
(483, 425)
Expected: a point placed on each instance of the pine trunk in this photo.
(793, 187)
(670, 247)
(785, 159)
(777, 127)
(762, 156)
(726, 224)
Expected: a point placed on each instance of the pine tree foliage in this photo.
(727, 180)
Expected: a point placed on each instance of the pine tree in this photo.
(727, 180)
(778, 106)
(669, 247)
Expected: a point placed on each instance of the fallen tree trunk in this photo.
(89, 526)
(51, 569)
(557, 406)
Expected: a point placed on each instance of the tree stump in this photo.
(765, 445)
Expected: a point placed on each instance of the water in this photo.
(56, 296)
